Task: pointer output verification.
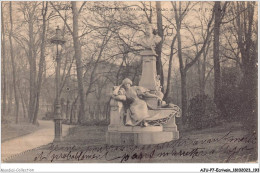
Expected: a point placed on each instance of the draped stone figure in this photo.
(137, 108)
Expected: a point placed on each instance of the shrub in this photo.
(202, 112)
(231, 103)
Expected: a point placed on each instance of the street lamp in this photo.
(58, 41)
(169, 30)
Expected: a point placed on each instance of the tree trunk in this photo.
(170, 69)
(183, 73)
(177, 92)
(41, 63)
(77, 49)
(199, 76)
(217, 79)
(184, 103)
(10, 98)
(119, 70)
(158, 49)
(23, 102)
(67, 109)
(203, 72)
(3, 65)
(73, 107)
(32, 63)
(13, 65)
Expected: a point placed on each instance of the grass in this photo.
(10, 130)
(224, 143)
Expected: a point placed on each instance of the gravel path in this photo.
(40, 137)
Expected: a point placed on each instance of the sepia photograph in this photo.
(129, 82)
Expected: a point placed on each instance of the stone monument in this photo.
(155, 132)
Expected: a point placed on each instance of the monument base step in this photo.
(135, 128)
(137, 138)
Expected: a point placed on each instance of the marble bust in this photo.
(149, 40)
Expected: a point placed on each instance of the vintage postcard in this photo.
(129, 82)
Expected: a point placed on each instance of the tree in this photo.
(202, 65)
(77, 52)
(29, 11)
(28, 36)
(179, 16)
(42, 61)
(219, 14)
(158, 49)
(204, 61)
(4, 90)
(13, 65)
(168, 88)
(247, 46)
(77, 48)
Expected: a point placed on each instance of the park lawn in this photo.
(86, 144)
(11, 130)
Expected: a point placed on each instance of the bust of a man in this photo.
(149, 40)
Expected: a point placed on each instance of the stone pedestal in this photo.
(141, 138)
(116, 113)
(148, 78)
(127, 135)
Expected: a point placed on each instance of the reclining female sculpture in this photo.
(134, 97)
